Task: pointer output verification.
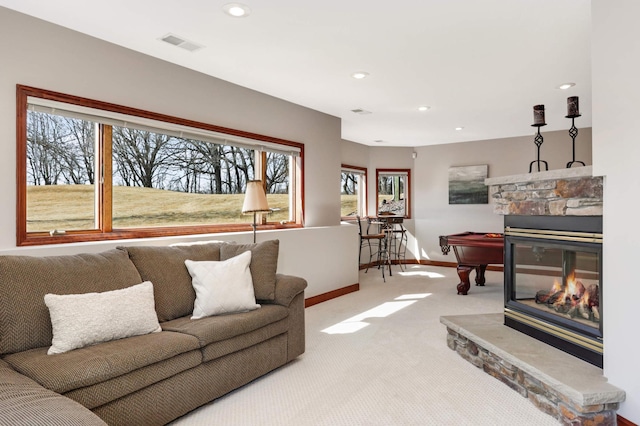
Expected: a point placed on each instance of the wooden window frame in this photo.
(407, 191)
(105, 230)
(365, 207)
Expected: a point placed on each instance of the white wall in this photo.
(43, 55)
(354, 154)
(616, 152)
(509, 156)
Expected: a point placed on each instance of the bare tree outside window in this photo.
(61, 151)
(90, 170)
(393, 192)
(353, 191)
(60, 171)
(277, 186)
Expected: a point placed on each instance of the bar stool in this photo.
(386, 244)
(401, 252)
(397, 236)
(366, 239)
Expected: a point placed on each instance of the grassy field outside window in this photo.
(87, 176)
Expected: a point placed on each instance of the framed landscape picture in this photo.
(466, 185)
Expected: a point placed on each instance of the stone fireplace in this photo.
(553, 239)
(565, 192)
(553, 257)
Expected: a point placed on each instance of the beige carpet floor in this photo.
(379, 357)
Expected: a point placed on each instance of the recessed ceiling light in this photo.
(424, 108)
(361, 111)
(379, 141)
(566, 86)
(359, 75)
(459, 128)
(236, 10)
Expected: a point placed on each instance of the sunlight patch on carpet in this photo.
(356, 323)
(413, 296)
(428, 274)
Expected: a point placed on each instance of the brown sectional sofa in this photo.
(148, 379)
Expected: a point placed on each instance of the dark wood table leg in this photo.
(480, 275)
(463, 273)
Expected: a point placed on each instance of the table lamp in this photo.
(255, 201)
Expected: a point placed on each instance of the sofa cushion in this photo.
(100, 363)
(163, 402)
(24, 280)
(264, 263)
(223, 286)
(128, 384)
(81, 320)
(224, 334)
(243, 341)
(165, 268)
(213, 329)
(25, 402)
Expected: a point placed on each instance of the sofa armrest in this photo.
(290, 294)
(25, 402)
(287, 288)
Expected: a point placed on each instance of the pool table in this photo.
(474, 250)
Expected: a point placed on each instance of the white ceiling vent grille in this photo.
(181, 43)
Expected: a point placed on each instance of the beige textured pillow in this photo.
(222, 287)
(264, 264)
(81, 320)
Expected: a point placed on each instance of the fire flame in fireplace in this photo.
(572, 299)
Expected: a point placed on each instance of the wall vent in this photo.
(181, 42)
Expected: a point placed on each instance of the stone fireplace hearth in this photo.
(571, 390)
(547, 370)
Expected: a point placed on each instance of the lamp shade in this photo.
(255, 200)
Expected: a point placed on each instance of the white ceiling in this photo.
(481, 65)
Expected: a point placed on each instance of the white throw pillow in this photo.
(81, 320)
(222, 286)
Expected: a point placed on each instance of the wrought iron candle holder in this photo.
(538, 121)
(573, 112)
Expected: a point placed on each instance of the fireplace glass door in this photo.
(559, 282)
(553, 282)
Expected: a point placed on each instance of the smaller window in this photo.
(353, 191)
(392, 196)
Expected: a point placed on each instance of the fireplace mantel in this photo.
(572, 173)
(562, 192)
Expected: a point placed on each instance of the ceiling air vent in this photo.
(361, 111)
(181, 43)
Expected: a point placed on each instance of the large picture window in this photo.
(353, 191)
(392, 196)
(91, 170)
